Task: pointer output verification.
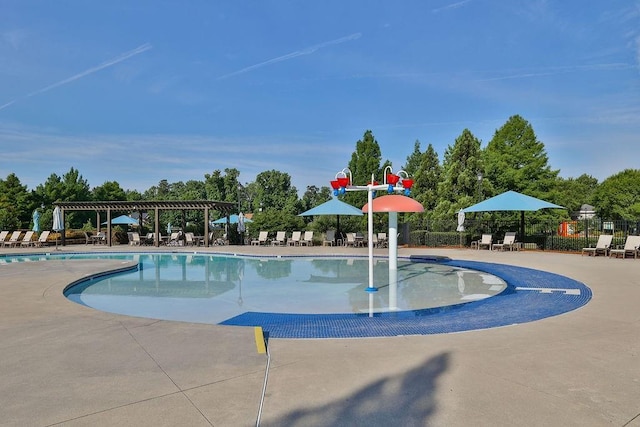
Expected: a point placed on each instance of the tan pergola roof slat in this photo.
(224, 207)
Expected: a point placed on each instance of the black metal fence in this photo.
(570, 236)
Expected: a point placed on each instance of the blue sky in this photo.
(139, 91)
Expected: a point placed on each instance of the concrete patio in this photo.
(69, 365)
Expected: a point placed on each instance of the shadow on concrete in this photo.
(406, 400)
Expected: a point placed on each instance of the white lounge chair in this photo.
(280, 240)
(174, 239)
(487, 240)
(294, 240)
(189, 239)
(631, 247)
(134, 239)
(602, 246)
(13, 240)
(509, 242)
(263, 236)
(382, 240)
(307, 240)
(101, 238)
(42, 240)
(350, 239)
(3, 236)
(26, 239)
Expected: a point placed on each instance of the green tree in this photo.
(315, 196)
(365, 162)
(133, 195)
(274, 191)
(515, 160)
(109, 191)
(427, 176)
(458, 187)
(618, 197)
(16, 204)
(414, 160)
(71, 187)
(214, 186)
(572, 193)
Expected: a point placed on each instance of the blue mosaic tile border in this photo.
(550, 295)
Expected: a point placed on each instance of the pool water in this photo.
(208, 288)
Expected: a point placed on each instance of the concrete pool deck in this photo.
(69, 365)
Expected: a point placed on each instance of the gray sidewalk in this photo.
(65, 364)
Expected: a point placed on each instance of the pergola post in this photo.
(206, 227)
(156, 229)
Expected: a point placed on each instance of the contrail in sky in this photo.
(109, 63)
(305, 51)
(451, 6)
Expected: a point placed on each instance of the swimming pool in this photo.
(529, 294)
(215, 288)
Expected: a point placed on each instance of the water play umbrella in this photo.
(512, 201)
(123, 220)
(36, 221)
(333, 207)
(392, 204)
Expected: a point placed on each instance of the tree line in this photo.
(514, 159)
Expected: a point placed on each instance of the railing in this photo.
(570, 236)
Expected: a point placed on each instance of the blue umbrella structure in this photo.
(512, 201)
(36, 221)
(334, 207)
(123, 220)
(233, 219)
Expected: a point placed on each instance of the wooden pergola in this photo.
(156, 206)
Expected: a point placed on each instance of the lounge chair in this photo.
(382, 240)
(13, 240)
(149, 239)
(134, 239)
(26, 239)
(263, 236)
(350, 240)
(280, 240)
(509, 242)
(307, 240)
(189, 239)
(42, 240)
(487, 240)
(329, 238)
(602, 246)
(100, 238)
(174, 239)
(294, 240)
(3, 236)
(631, 246)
